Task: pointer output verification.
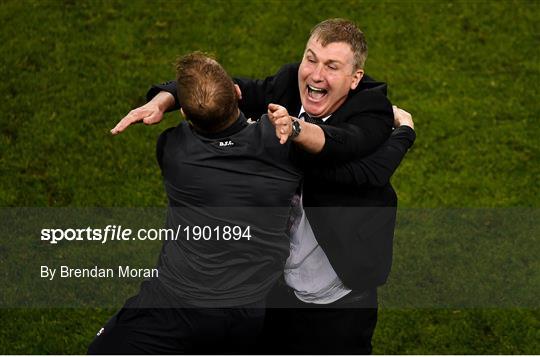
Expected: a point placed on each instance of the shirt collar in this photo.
(302, 110)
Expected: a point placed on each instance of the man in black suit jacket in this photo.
(347, 228)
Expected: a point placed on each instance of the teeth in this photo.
(320, 90)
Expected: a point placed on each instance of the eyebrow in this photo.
(327, 62)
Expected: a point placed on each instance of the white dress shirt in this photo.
(308, 270)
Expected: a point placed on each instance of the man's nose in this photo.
(317, 75)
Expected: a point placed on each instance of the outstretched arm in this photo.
(256, 94)
(377, 168)
(374, 169)
(150, 113)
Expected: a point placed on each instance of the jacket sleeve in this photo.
(362, 124)
(256, 93)
(170, 87)
(375, 169)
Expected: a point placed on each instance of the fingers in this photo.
(401, 117)
(395, 110)
(282, 136)
(279, 116)
(270, 115)
(147, 114)
(273, 107)
(277, 110)
(283, 129)
(153, 118)
(398, 111)
(132, 117)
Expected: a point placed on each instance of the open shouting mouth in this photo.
(315, 93)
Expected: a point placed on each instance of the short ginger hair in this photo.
(341, 30)
(205, 91)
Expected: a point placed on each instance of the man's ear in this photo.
(356, 78)
(238, 91)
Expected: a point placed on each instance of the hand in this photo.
(279, 117)
(151, 113)
(402, 117)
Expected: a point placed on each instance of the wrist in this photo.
(410, 125)
(296, 128)
(164, 101)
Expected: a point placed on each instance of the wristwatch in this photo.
(296, 128)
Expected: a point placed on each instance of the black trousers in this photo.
(145, 326)
(343, 327)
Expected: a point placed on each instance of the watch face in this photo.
(295, 128)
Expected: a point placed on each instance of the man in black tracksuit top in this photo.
(239, 177)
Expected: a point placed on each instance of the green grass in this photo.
(468, 71)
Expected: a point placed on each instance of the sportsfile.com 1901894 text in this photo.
(118, 233)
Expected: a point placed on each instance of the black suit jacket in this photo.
(348, 199)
